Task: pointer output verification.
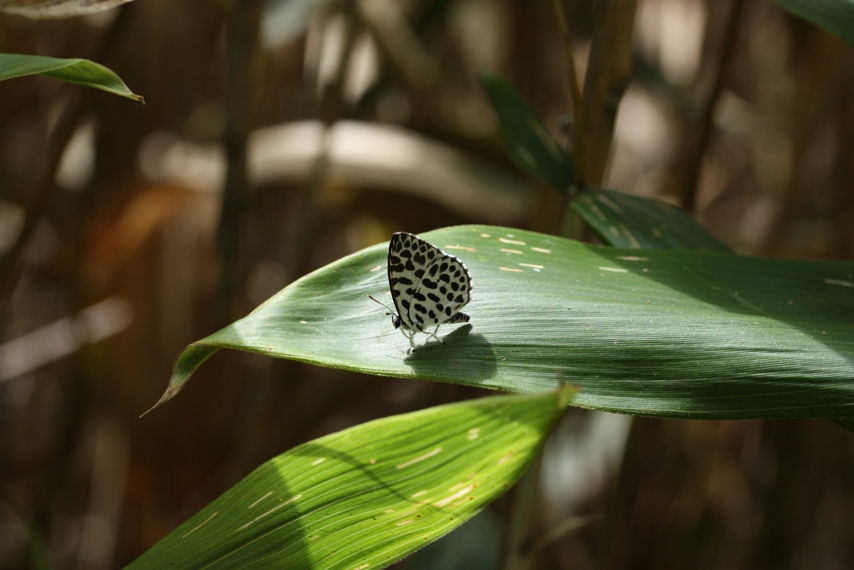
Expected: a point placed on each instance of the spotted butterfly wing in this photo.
(428, 287)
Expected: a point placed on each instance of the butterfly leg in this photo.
(433, 334)
(409, 336)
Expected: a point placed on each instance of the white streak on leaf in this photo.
(200, 525)
(457, 495)
(261, 499)
(427, 455)
(274, 509)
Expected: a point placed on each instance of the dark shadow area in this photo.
(819, 293)
(808, 297)
(469, 356)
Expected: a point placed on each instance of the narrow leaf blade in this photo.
(634, 222)
(78, 71)
(528, 142)
(369, 495)
(668, 333)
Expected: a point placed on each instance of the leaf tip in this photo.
(167, 395)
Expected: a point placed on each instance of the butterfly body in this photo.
(428, 286)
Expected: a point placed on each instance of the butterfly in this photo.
(428, 286)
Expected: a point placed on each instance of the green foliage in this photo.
(369, 495)
(669, 333)
(633, 222)
(527, 140)
(79, 71)
(671, 324)
(835, 16)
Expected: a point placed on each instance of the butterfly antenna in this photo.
(383, 304)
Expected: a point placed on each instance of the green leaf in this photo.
(79, 71)
(668, 333)
(835, 16)
(370, 495)
(528, 142)
(634, 222)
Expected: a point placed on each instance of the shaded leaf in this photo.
(529, 143)
(634, 222)
(835, 16)
(79, 71)
(689, 334)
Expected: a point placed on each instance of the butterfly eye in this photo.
(395, 320)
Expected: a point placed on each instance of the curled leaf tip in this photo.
(167, 395)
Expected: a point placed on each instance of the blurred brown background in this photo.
(365, 118)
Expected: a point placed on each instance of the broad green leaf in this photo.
(79, 71)
(634, 222)
(370, 495)
(835, 16)
(528, 142)
(668, 333)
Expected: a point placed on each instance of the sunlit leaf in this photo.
(370, 495)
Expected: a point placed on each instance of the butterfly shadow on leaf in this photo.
(462, 355)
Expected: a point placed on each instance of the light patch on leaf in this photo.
(462, 492)
(839, 282)
(427, 455)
